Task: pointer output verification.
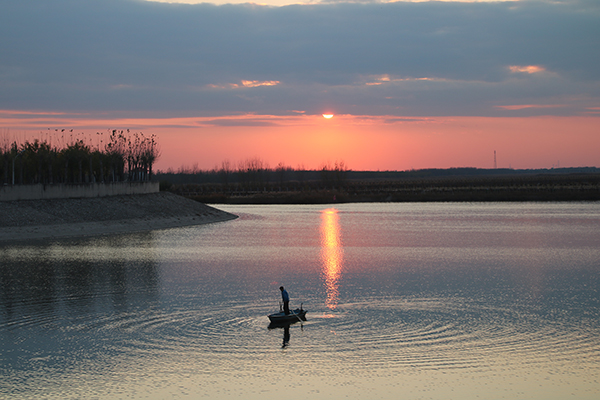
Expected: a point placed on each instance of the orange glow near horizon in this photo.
(331, 255)
(362, 142)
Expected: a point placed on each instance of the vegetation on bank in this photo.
(254, 172)
(463, 184)
(67, 157)
(122, 156)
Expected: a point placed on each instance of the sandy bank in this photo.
(57, 218)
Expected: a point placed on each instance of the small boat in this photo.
(294, 316)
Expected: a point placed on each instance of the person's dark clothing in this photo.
(286, 301)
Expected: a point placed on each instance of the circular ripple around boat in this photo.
(422, 333)
(209, 333)
(436, 333)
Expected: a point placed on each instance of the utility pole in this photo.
(495, 165)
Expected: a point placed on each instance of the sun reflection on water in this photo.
(331, 254)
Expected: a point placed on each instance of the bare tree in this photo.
(225, 172)
(77, 159)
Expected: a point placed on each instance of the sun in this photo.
(327, 116)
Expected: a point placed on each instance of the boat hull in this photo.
(294, 316)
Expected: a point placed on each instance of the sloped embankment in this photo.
(45, 219)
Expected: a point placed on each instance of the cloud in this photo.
(252, 84)
(401, 120)
(239, 122)
(525, 106)
(529, 69)
(399, 59)
(243, 84)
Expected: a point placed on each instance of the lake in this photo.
(412, 301)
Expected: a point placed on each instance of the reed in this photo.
(67, 157)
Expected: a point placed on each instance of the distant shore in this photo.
(61, 218)
(560, 187)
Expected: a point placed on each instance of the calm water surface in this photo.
(410, 301)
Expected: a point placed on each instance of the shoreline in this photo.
(468, 188)
(37, 220)
(421, 196)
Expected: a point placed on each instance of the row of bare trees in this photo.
(254, 172)
(74, 158)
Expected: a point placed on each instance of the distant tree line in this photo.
(253, 183)
(75, 158)
(255, 173)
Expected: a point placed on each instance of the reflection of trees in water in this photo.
(28, 285)
(41, 287)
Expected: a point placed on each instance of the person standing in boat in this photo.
(286, 300)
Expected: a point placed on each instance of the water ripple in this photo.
(452, 334)
(425, 333)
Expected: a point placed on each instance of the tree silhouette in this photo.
(124, 157)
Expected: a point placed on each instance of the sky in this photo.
(410, 85)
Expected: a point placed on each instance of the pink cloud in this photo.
(529, 69)
(525, 106)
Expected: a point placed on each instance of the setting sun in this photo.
(327, 116)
